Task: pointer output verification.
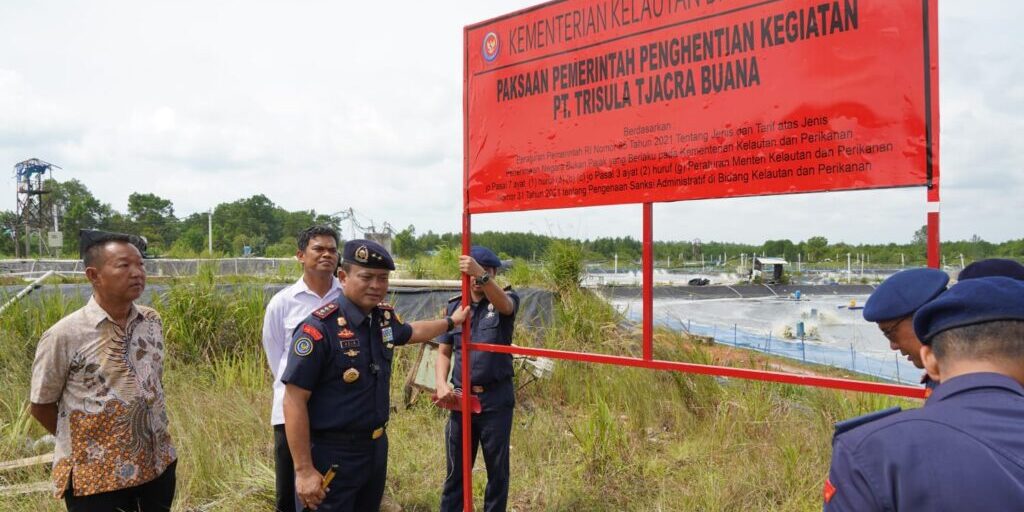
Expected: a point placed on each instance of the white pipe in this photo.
(27, 290)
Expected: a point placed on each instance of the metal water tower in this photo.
(30, 176)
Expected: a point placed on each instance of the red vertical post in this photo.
(467, 338)
(934, 259)
(648, 282)
(467, 386)
(932, 128)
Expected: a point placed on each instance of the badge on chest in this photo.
(351, 375)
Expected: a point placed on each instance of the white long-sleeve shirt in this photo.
(286, 310)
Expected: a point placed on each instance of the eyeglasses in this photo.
(891, 331)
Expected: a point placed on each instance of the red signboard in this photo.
(583, 103)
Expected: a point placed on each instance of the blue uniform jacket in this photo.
(343, 356)
(964, 450)
(488, 326)
(489, 368)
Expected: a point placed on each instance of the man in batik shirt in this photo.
(96, 385)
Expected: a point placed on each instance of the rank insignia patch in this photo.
(303, 347)
(312, 332)
(325, 311)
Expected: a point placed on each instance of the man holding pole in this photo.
(493, 321)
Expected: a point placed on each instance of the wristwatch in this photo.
(451, 323)
(482, 280)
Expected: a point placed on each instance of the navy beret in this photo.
(975, 301)
(367, 253)
(903, 293)
(992, 267)
(89, 238)
(485, 257)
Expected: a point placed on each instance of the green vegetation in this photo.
(269, 230)
(592, 437)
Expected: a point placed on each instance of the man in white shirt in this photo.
(318, 286)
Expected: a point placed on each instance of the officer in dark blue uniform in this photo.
(964, 450)
(893, 304)
(493, 320)
(337, 385)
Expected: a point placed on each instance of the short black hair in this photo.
(1001, 340)
(314, 231)
(92, 252)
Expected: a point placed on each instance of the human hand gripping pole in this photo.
(325, 482)
(309, 487)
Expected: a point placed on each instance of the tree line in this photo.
(254, 222)
(269, 230)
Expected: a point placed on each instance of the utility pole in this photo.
(56, 229)
(209, 231)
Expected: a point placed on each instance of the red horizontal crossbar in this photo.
(706, 369)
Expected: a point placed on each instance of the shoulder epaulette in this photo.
(385, 306)
(852, 423)
(326, 311)
(455, 298)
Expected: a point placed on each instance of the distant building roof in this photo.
(771, 261)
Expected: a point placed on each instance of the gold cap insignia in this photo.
(362, 254)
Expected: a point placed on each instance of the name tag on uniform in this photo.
(387, 334)
(349, 344)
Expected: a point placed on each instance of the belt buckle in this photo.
(477, 389)
(377, 432)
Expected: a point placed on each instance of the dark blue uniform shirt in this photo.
(348, 369)
(964, 450)
(488, 326)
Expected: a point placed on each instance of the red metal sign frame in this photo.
(930, 22)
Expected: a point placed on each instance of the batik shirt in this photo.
(106, 381)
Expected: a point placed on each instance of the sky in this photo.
(332, 105)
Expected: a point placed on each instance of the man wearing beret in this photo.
(893, 304)
(963, 450)
(992, 267)
(493, 321)
(338, 385)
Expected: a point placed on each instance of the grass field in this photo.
(592, 437)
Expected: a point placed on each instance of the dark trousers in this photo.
(493, 430)
(153, 496)
(284, 473)
(362, 470)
